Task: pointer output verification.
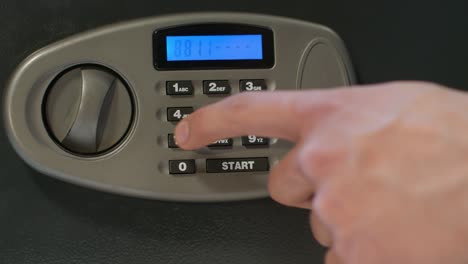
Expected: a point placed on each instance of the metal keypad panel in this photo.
(215, 87)
(95, 109)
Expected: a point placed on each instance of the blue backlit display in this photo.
(214, 47)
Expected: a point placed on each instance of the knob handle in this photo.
(88, 109)
(96, 86)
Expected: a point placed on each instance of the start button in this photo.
(237, 165)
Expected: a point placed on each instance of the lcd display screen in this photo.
(214, 47)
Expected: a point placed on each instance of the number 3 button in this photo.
(252, 85)
(182, 166)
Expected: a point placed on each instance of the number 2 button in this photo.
(216, 87)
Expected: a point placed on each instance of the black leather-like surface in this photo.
(48, 221)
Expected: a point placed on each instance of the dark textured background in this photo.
(47, 221)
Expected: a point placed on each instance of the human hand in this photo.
(383, 168)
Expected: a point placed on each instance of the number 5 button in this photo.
(182, 166)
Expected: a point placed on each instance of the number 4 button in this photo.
(175, 114)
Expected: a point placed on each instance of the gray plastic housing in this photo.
(307, 56)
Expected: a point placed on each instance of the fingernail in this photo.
(182, 132)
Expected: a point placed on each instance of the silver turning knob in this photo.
(88, 109)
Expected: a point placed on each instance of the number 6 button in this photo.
(182, 166)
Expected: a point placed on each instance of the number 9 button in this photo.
(254, 141)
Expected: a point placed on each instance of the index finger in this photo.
(264, 114)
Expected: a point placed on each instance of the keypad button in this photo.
(179, 88)
(216, 87)
(252, 85)
(175, 114)
(171, 141)
(254, 141)
(182, 167)
(237, 165)
(222, 143)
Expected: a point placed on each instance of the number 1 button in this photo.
(216, 87)
(182, 166)
(179, 88)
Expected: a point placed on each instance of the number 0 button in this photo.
(182, 166)
(216, 87)
(175, 114)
